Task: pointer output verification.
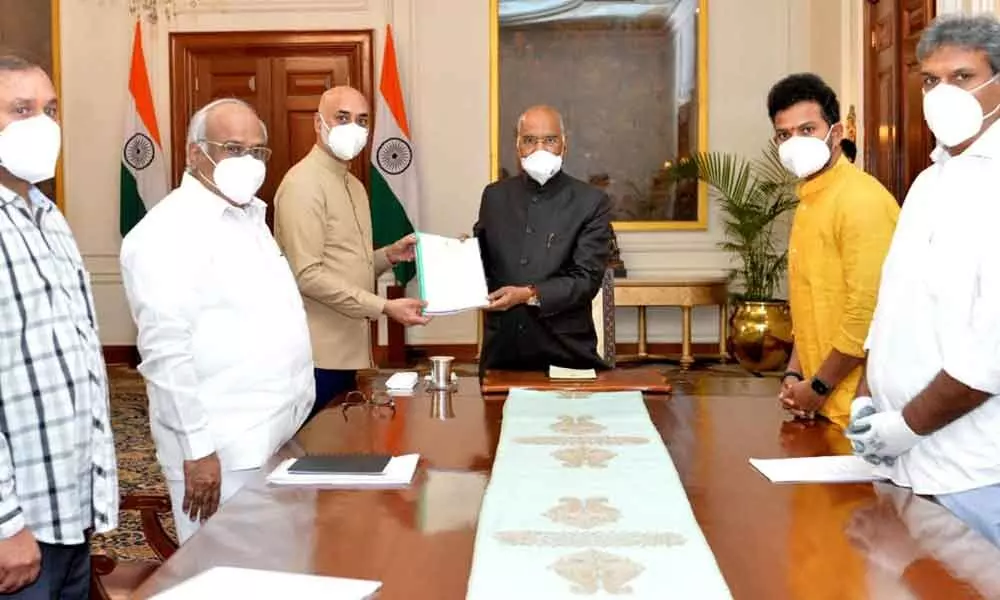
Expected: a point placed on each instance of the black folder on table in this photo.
(347, 464)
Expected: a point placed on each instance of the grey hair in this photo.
(10, 63)
(520, 121)
(971, 32)
(199, 122)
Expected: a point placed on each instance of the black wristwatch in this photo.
(819, 387)
(794, 374)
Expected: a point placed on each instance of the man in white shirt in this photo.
(222, 331)
(928, 412)
(58, 477)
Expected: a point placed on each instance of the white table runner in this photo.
(584, 500)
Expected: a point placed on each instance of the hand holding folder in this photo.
(451, 276)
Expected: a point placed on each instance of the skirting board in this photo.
(128, 355)
(467, 352)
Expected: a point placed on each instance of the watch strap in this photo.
(820, 387)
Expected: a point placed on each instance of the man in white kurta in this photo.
(933, 370)
(222, 330)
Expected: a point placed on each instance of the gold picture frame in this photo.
(701, 223)
(55, 37)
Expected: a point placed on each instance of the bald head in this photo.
(540, 127)
(340, 105)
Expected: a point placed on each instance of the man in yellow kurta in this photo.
(840, 236)
(323, 225)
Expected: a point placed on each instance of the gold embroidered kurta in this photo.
(840, 236)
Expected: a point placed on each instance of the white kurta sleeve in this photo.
(159, 277)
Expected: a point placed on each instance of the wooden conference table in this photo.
(771, 541)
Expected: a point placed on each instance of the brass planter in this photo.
(760, 335)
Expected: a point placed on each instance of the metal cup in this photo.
(441, 372)
(441, 407)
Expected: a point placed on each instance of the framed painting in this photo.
(630, 79)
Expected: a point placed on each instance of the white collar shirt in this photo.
(221, 330)
(939, 309)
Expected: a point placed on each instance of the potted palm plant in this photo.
(753, 196)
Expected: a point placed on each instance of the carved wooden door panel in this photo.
(282, 75)
(897, 142)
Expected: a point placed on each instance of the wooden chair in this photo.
(603, 311)
(110, 580)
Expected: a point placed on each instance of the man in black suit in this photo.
(545, 239)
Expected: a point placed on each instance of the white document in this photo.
(228, 582)
(565, 373)
(402, 381)
(398, 473)
(817, 469)
(451, 274)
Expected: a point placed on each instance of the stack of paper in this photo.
(224, 582)
(817, 469)
(564, 373)
(397, 474)
(451, 274)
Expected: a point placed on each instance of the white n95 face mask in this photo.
(954, 115)
(239, 178)
(803, 155)
(29, 148)
(541, 165)
(346, 141)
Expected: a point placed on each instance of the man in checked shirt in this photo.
(58, 480)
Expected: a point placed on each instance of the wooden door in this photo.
(917, 143)
(282, 75)
(897, 141)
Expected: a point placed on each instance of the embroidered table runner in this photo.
(584, 500)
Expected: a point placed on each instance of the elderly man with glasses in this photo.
(545, 239)
(222, 330)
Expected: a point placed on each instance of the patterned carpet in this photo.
(139, 473)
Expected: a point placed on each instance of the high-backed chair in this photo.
(603, 311)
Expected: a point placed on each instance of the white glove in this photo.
(884, 435)
(862, 406)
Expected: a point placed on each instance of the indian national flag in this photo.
(393, 174)
(144, 168)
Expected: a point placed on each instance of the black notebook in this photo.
(347, 464)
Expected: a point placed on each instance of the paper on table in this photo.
(451, 276)
(817, 469)
(398, 473)
(224, 582)
(565, 373)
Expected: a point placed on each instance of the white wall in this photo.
(947, 6)
(447, 94)
(752, 44)
(444, 58)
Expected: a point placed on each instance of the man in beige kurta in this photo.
(323, 225)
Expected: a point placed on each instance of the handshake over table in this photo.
(879, 436)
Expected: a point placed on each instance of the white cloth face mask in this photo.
(346, 141)
(29, 148)
(541, 165)
(804, 155)
(239, 178)
(954, 115)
